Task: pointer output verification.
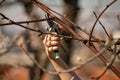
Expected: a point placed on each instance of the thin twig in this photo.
(102, 12)
(108, 64)
(11, 21)
(66, 18)
(59, 21)
(70, 69)
(102, 26)
(91, 59)
(50, 72)
(23, 22)
(41, 33)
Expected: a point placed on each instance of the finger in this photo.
(55, 48)
(54, 33)
(48, 43)
(61, 38)
(49, 37)
(54, 38)
(45, 39)
(51, 49)
(55, 43)
(52, 43)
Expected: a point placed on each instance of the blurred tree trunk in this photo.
(70, 9)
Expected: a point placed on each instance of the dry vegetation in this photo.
(100, 62)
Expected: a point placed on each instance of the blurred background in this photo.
(16, 65)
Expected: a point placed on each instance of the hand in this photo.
(51, 43)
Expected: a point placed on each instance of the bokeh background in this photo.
(16, 65)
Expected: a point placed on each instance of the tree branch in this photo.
(102, 12)
(24, 22)
(102, 26)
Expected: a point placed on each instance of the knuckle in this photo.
(48, 43)
(50, 49)
(54, 43)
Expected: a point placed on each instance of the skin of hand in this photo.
(51, 43)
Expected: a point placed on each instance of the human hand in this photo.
(51, 43)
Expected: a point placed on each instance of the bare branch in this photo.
(102, 12)
(37, 62)
(75, 36)
(13, 22)
(73, 68)
(67, 19)
(102, 26)
(108, 64)
(24, 22)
